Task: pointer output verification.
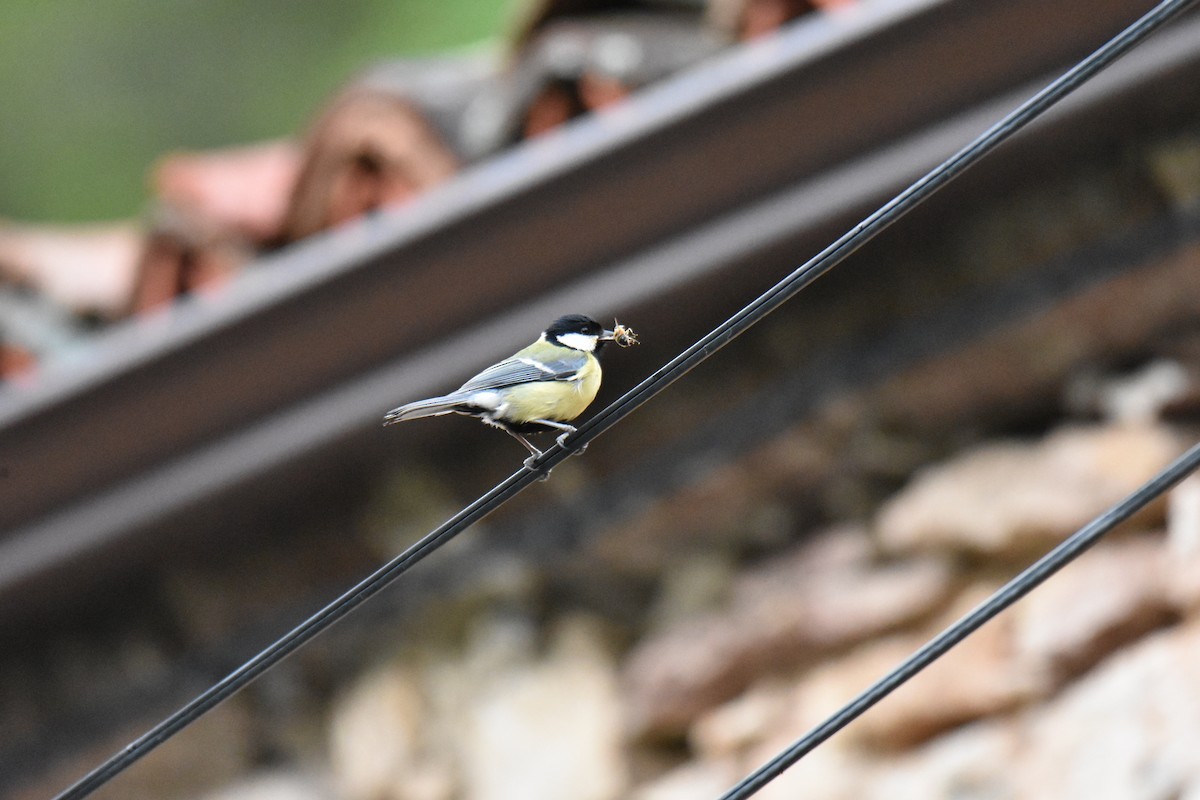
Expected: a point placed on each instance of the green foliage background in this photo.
(92, 91)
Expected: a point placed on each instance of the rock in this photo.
(1010, 499)
(727, 508)
(781, 617)
(1105, 599)
(243, 189)
(85, 268)
(733, 728)
(982, 676)
(184, 254)
(225, 736)
(970, 763)
(1183, 543)
(497, 720)
(379, 741)
(372, 147)
(275, 786)
(833, 771)
(1128, 731)
(1138, 398)
(692, 585)
(693, 780)
(549, 729)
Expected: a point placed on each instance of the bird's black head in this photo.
(579, 332)
(575, 323)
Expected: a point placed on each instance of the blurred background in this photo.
(233, 235)
(96, 92)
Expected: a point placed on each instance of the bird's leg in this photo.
(534, 453)
(566, 429)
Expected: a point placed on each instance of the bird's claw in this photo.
(531, 465)
(562, 442)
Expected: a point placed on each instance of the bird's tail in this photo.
(423, 408)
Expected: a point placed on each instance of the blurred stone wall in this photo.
(672, 651)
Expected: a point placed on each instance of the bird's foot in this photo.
(562, 442)
(531, 465)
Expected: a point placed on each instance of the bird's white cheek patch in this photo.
(578, 341)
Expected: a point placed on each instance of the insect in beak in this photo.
(623, 336)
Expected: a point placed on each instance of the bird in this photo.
(540, 387)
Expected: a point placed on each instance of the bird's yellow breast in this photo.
(560, 401)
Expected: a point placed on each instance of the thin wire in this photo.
(644, 391)
(1008, 594)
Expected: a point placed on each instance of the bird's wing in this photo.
(518, 369)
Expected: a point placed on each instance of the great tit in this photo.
(543, 386)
